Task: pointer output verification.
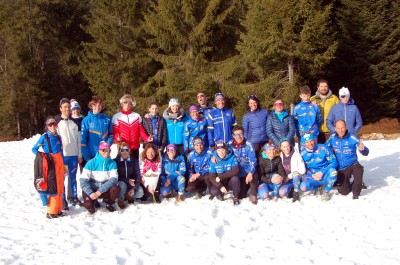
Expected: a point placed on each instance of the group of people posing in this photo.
(204, 150)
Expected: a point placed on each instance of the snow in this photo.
(342, 230)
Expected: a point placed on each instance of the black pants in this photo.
(232, 183)
(344, 176)
(111, 195)
(244, 188)
(199, 185)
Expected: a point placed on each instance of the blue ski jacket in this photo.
(95, 128)
(347, 112)
(245, 156)
(192, 129)
(308, 118)
(345, 149)
(321, 159)
(170, 168)
(199, 163)
(277, 129)
(255, 125)
(220, 123)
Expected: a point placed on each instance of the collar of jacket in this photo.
(126, 112)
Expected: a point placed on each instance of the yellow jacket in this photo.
(325, 106)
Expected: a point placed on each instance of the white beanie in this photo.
(74, 104)
(344, 91)
(174, 101)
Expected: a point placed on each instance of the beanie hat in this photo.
(344, 91)
(74, 104)
(171, 146)
(174, 101)
(219, 95)
(104, 145)
(307, 137)
(193, 108)
(220, 145)
(269, 145)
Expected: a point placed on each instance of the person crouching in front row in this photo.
(99, 179)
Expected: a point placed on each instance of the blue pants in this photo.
(264, 189)
(285, 189)
(178, 185)
(328, 180)
(72, 163)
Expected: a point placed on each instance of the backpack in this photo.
(44, 179)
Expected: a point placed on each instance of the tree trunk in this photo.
(291, 70)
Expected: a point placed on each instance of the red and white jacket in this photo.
(127, 127)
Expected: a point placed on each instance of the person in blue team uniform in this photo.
(175, 118)
(345, 146)
(246, 156)
(271, 172)
(96, 127)
(173, 174)
(220, 122)
(321, 165)
(255, 123)
(204, 106)
(198, 166)
(196, 126)
(345, 110)
(224, 174)
(307, 114)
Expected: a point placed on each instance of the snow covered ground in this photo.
(345, 231)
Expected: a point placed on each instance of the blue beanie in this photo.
(307, 137)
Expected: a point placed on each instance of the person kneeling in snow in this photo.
(173, 174)
(345, 145)
(271, 172)
(321, 166)
(224, 173)
(99, 179)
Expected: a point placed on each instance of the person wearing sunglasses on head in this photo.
(99, 179)
(72, 154)
(220, 122)
(96, 127)
(127, 126)
(50, 142)
(128, 175)
(280, 124)
(173, 174)
(255, 123)
(347, 111)
(246, 156)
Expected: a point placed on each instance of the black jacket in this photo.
(161, 130)
(267, 168)
(128, 169)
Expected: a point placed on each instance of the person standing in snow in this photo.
(96, 127)
(347, 111)
(204, 106)
(254, 123)
(127, 126)
(195, 126)
(224, 174)
(99, 179)
(321, 165)
(325, 99)
(345, 146)
(154, 124)
(175, 118)
(295, 170)
(72, 155)
(271, 172)
(51, 144)
(77, 117)
(307, 114)
(220, 122)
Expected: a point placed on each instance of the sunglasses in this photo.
(128, 102)
(171, 150)
(252, 97)
(343, 96)
(278, 104)
(106, 150)
(238, 134)
(124, 150)
(52, 124)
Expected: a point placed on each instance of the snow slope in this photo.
(345, 231)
